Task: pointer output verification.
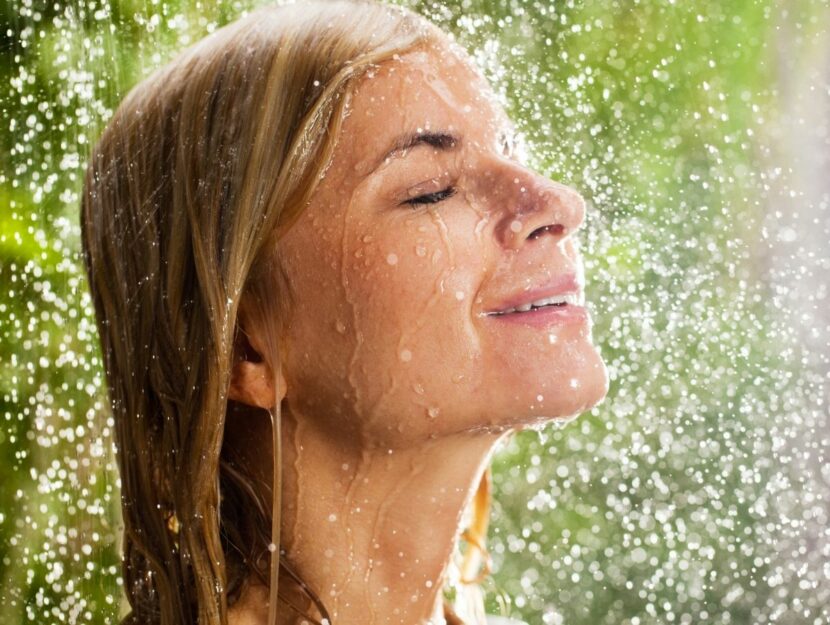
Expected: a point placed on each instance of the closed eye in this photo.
(431, 198)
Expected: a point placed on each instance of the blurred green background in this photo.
(698, 492)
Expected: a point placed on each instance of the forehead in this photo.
(435, 87)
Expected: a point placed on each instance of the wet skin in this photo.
(386, 336)
(398, 379)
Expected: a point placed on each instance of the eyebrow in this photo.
(440, 140)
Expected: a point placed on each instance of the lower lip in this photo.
(548, 316)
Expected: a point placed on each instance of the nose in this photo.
(533, 206)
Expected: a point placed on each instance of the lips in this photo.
(561, 292)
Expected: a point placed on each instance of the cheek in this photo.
(318, 339)
(412, 284)
(384, 340)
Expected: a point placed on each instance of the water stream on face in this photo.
(407, 341)
(353, 306)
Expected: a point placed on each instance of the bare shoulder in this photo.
(251, 608)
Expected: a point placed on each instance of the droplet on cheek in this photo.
(406, 355)
(392, 259)
(420, 250)
(540, 398)
(361, 168)
(574, 383)
(459, 295)
(552, 339)
(480, 226)
(340, 326)
(432, 413)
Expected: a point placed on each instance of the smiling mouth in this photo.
(556, 301)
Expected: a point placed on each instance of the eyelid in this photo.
(431, 198)
(430, 185)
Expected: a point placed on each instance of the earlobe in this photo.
(253, 384)
(252, 378)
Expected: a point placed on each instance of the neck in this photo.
(372, 531)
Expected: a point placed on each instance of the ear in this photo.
(252, 379)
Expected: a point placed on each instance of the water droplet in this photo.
(392, 259)
(432, 412)
(516, 225)
(406, 355)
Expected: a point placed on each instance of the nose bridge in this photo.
(529, 203)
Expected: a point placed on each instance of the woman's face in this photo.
(424, 235)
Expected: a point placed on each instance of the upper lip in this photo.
(562, 284)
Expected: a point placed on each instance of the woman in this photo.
(326, 288)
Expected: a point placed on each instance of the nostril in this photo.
(554, 228)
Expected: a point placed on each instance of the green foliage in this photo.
(657, 506)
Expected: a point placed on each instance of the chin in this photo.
(570, 389)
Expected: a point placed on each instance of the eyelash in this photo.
(431, 198)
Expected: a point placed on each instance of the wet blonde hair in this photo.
(200, 169)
